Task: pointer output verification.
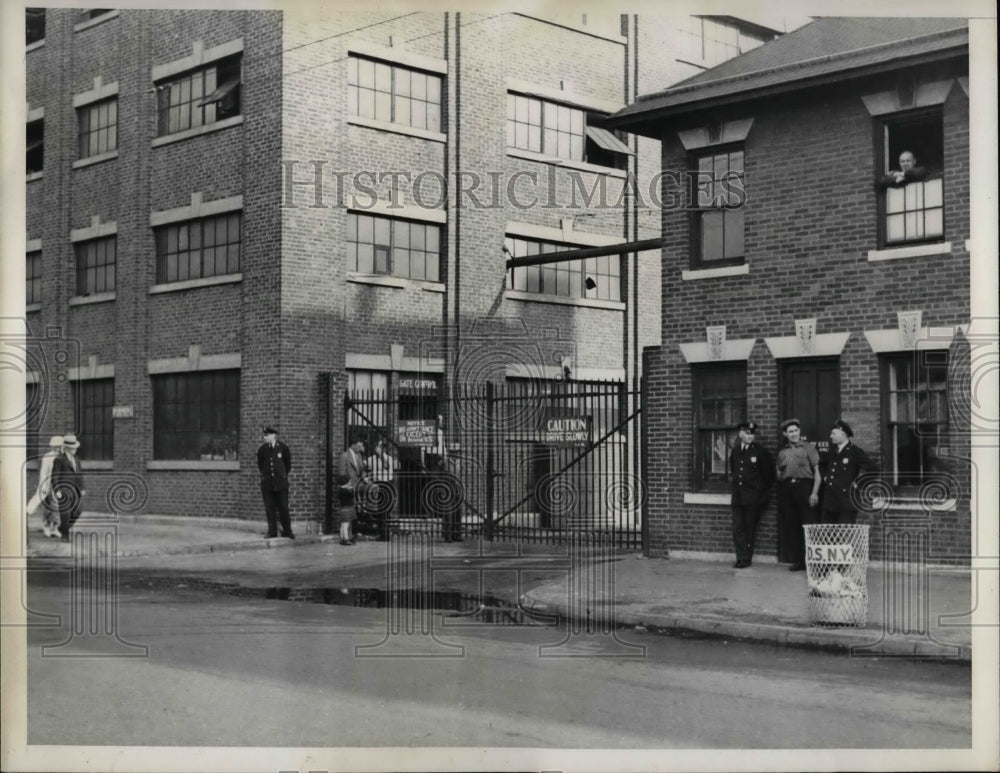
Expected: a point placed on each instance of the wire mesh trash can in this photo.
(837, 574)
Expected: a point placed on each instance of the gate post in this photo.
(490, 459)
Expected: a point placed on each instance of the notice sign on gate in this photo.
(416, 432)
(560, 428)
(830, 554)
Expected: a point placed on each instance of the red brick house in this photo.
(795, 284)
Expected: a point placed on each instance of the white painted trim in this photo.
(39, 43)
(915, 251)
(32, 307)
(963, 82)
(86, 25)
(377, 280)
(565, 233)
(713, 273)
(824, 345)
(735, 349)
(198, 57)
(926, 95)
(34, 114)
(915, 505)
(101, 91)
(97, 464)
(594, 168)
(558, 300)
(91, 371)
(187, 134)
(397, 128)
(932, 337)
(398, 56)
(198, 208)
(33, 176)
(33, 245)
(705, 498)
(402, 211)
(570, 97)
(191, 284)
(202, 362)
(732, 131)
(85, 300)
(193, 465)
(95, 230)
(80, 163)
(530, 155)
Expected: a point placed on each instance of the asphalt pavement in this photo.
(914, 611)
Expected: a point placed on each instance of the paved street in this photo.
(238, 668)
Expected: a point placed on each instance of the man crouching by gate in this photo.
(751, 469)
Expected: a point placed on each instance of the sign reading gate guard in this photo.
(830, 554)
(562, 428)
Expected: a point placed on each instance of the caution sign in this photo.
(830, 554)
(560, 429)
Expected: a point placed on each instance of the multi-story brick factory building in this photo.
(801, 283)
(235, 216)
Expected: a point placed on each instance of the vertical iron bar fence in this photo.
(535, 461)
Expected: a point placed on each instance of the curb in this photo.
(856, 642)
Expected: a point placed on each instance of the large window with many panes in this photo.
(597, 278)
(717, 217)
(95, 265)
(709, 41)
(394, 94)
(196, 416)
(196, 249)
(720, 404)
(33, 278)
(92, 402)
(98, 128)
(393, 247)
(915, 408)
(199, 97)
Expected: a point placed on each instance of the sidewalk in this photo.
(702, 595)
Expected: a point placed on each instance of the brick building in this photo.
(795, 283)
(234, 216)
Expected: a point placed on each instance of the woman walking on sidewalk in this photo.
(42, 496)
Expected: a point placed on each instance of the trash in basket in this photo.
(837, 573)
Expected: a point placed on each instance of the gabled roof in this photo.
(823, 48)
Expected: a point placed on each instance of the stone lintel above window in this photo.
(197, 209)
(719, 134)
(925, 94)
(704, 352)
(100, 91)
(199, 56)
(823, 345)
(95, 230)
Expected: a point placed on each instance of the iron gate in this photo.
(522, 460)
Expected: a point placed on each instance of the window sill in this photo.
(916, 251)
(529, 155)
(712, 273)
(432, 287)
(398, 128)
(86, 25)
(707, 498)
(33, 307)
(32, 176)
(193, 464)
(84, 300)
(97, 464)
(226, 123)
(192, 284)
(400, 282)
(592, 303)
(34, 46)
(99, 158)
(916, 505)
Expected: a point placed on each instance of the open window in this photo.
(35, 156)
(912, 209)
(34, 22)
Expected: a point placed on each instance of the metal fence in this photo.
(522, 460)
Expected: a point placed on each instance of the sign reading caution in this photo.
(560, 429)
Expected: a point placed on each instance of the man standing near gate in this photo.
(751, 469)
(274, 461)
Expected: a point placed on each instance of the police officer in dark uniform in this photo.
(274, 461)
(847, 462)
(751, 469)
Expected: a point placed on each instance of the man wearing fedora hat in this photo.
(67, 485)
(847, 463)
(274, 462)
(752, 472)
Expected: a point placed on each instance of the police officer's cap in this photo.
(748, 426)
(269, 431)
(844, 427)
(790, 422)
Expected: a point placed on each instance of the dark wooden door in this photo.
(810, 392)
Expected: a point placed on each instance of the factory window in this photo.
(35, 158)
(33, 278)
(92, 401)
(196, 416)
(95, 266)
(393, 247)
(394, 94)
(199, 97)
(198, 248)
(598, 278)
(98, 124)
